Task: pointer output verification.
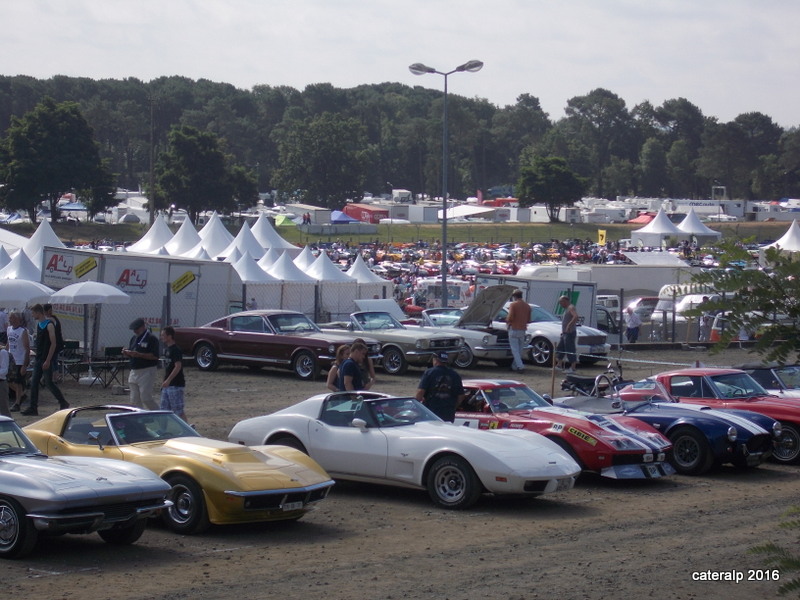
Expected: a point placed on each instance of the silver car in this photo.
(40, 495)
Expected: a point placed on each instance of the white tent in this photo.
(21, 267)
(693, 226)
(656, 231)
(305, 259)
(269, 258)
(789, 243)
(4, 257)
(234, 255)
(369, 284)
(11, 241)
(156, 237)
(337, 290)
(214, 235)
(463, 211)
(299, 290)
(43, 236)
(198, 253)
(266, 235)
(245, 242)
(258, 284)
(184, 240)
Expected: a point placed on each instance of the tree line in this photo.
(206, 145)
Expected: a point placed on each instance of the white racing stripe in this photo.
(737, 420)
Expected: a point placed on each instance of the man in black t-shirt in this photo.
(440, 388)
(172, 390)
(350, 377)
(143, 353)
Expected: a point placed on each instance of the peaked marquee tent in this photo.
(693, 226)
(656, 231)
(337, 290)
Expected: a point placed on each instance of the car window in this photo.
(13, 440)
(79, 426)
(375, 321)
(737, 385)
(686, 387)
(340, 411)
(538, 314)
(502, 399)
(790, 376)
(251, 323)
(292, 323)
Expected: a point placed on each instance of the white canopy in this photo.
(285, 269)
(234, 255)
(790, 241)
(337, 290)
(260, 286)
(269, 258)
(305, 259)
(21, 267)
(299, 290)
(214, 235)
(184, 240)
(156, 237)
(43, 236)
(692, 225)
(369, 283)
(466, 211)
(266, 235)
(656, 231)
(245, 242)
(11, 241)
(4, 257)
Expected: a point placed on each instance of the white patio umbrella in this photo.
(18, 293)
(90, 293)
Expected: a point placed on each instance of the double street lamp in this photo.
(420, 69)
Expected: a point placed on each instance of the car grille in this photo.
(759, 443)
(445, 343)
(591, 340)
(274, 501)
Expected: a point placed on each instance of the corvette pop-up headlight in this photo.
(732, 433)
(777, 429)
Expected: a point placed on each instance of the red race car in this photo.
(617, 447)
(732, 388)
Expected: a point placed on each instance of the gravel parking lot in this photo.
(678, 537)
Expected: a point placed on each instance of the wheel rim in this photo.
(205, 357)
(464, 358)
(788, 447)
(184, 505)
(392, 360)
(9, 526)
(541, 352)
(450, 484)
(686, 451)
(304, 366)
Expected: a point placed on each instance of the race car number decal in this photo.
(584, 436)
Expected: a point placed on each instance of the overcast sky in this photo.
(725, 56)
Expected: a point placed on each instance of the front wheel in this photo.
(465, 359)
(188, 514)
(452, 483)
(124, 536)
(691, 454)
(787, 448)
(290, 441)
(542, 352)
(17, 533)
(394, 361)
(304, 365)
(205, 357)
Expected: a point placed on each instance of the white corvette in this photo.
(371, 437)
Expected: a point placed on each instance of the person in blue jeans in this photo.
(44, 362)
(172, 389)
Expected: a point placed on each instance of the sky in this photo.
(727, 57)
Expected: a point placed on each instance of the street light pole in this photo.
(421, 69)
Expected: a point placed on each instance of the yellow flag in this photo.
(601, 237)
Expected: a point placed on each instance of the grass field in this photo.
(456, 232)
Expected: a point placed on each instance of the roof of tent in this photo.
(214, 235)
(156, 237)
(21, 267)
(269, 258)
(184, 240)
(245, 242)
(339, 218)
(285, 269)
(250, 272)
(266, 235)
(660, 225)
(324, 270)
(361, 272)
(790, 241)
(305, 259)
(692, 225)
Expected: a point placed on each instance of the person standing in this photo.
(19, 349)
(4, 382)
(3, 326)
(566, 353)
(441, 389)
(350, 377)
(173, 387)
(342, 354)
(43, 363)
(519, 315)
(142, 351)
(632, 324)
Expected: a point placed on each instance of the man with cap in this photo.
(143, 351)
(440, 388)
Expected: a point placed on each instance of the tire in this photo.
(568, 449)
(188, 514)
(205, 357)
(394, 361)
(290, 441)
(541, 352)
(304, 365)
(17, 534)
(466, 359)
(452, 483)
(787, 450)
(691, 453)
(124, 536)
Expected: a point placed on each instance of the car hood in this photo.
(486, 304)
(80, 477)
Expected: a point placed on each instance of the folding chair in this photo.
(111, 367)
(71, 359)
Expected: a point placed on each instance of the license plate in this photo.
(292, 506)
(564, 485)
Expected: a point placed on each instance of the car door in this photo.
(76, 440)
(247, 336)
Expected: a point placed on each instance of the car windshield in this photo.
(789, 376)
(292, 323)
(520, 397)
(539, 314)
(736, 385)
(444, 317)
(339, 410)
(14, 441)
(130, 428)
(375, 321)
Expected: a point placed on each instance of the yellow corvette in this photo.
(212, 481)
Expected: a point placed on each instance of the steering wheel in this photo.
(4, 445)
(500, 406)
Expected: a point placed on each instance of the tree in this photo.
(195, 174)
(51, 151)
(323, 159)
(653, 179)
(765, 301)
(548, 180)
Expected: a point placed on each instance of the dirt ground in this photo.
(678, 537)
